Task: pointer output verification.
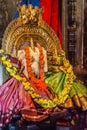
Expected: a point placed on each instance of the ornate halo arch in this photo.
(29, 24)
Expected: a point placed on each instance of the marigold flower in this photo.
(36, 97)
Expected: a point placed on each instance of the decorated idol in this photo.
(40, 78)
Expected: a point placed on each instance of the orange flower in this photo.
(39, 82)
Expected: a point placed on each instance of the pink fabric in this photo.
(42, 93)
(13, 98)
(33, 115)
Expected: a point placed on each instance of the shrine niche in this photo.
(41, 81)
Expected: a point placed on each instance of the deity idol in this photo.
(35, 67)
(34, 88)
(13, 97)
(45, 88)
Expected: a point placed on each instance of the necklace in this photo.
(39, 82)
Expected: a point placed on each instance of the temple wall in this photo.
(7, 8)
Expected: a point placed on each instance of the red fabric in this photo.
(51, 15)
(47, 5)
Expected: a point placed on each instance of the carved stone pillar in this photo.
(64, 24)
(3, 18)
(7, 9)
(80, 35)
(73, 31)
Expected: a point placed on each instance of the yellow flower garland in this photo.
(66, 68)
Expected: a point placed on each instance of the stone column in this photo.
(3, 18)
(64, 25)
(73, 31)
(80, 35)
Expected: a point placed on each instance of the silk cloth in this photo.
(14, 98)
(51, 16)
(77, 96)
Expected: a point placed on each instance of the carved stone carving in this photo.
(3, 18)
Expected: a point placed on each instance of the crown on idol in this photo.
(29, 14)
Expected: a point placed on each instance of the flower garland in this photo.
(38, 82)
(36, 97)
(41, 61)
